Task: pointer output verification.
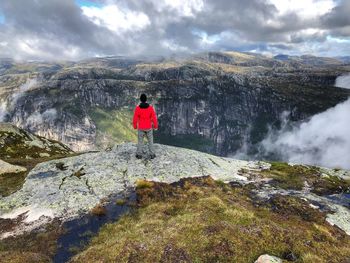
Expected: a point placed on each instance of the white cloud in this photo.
(155, 27)
(37, 118)
(3, 110)
(324, 140)
(30, 83)
(343, 82)
(185, 8)
(7, 104)
(304, 8)
(173, 47)
(116, 19)
(50, 114)
(34, 119)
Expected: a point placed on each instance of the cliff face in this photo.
(211, 102)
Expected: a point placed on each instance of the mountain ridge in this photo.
(72, 102)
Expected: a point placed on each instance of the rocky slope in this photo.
(211, 102)
(18, 143)
(297, 202)
(20, 151)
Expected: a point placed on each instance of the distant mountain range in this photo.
(215, 102)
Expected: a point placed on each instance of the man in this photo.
(145, 120)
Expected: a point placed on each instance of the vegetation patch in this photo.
(11, 182)
(201, 220)
(17, 143)
(99, 210)
(113, 126)
(296, 177)
(141, 184)
(37, 246)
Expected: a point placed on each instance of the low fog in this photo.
(323, 140)
(343, 81)
(7, 104)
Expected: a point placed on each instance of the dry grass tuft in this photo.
(99, 210)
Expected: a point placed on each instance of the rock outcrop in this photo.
(70, 187)
(18, 143)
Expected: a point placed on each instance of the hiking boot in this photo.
(152, 156)
(138, 156)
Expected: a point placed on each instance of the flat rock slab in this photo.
(6, 168)
(69, 187)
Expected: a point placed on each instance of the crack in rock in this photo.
(77, 174)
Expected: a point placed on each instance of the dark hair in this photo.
(143, 98)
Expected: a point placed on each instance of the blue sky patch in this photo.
(88, 3)
(2, 19)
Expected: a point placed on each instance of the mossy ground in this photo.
(39, 246)
(17, 145)
(11, 182)
(296, 177)
(201, 220)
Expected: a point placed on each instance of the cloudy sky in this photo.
(75, 29)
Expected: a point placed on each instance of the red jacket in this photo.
(144, 117)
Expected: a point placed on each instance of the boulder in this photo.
(268, 259)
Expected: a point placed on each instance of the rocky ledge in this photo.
(70, 187)
(18, 143)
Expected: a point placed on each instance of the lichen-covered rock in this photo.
(6, 168)
(18, 143)
(268, 259)
(88, 178)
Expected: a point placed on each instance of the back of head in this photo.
(143, 104)
(143, 98)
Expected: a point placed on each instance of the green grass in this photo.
(141, 184)
(113, 126)
(17, 146)
(295, 176)
(199, 220)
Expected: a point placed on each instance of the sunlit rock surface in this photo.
(70, 187)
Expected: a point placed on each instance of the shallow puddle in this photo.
(341, 199)
(79, 231)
